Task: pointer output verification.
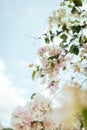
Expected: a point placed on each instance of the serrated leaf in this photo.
(74, 49)
(33, 95)
(64, 37)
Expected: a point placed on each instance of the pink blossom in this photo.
(53, 84)
(21, 118)
(85, 46)
(48, 124)
(41, 50)
(36, 126)
(34, 107)
(57, 67)
(54, 52)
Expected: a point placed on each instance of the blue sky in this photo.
(19, 21)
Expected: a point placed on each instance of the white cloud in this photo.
(9, 96)
(2, 65)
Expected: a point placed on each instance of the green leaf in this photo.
(64, 37)
(76, 29)
(58, 32)
(7, 128)
(75, 35)
(64, 28)
(77, 2)
(59, 25)
(64, 68)
(63, 46)
(70, 6)
(42, 126)
(33, 74)
(42, 75)
(38, 67)
(51, 38)
(84, 114)
(52, 65)
(85, 39)
(33, 122)
(73, 38)
(80, 41)
(83, 26)
(53, 57)
(74, 10)
(50, 32)
(74, 49)
(33, 95)
(66, 0)
(62, 3)
(47, 40)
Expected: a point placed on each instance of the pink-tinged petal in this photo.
(41, 50)
(85, 46)
(48, 125)
(57, 67)
(52, 84)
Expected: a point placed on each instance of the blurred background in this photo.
(21, 23)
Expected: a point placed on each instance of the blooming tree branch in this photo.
(63, 71)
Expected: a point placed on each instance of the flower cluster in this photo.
(69, 14)
(65, 45)
(63, 69)
(41, 114)
(35, 115)
(52, 60)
